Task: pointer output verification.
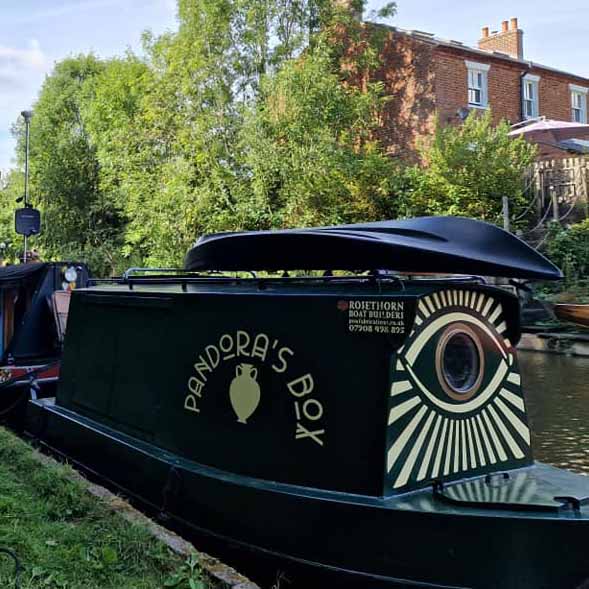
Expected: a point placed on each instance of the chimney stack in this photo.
(509, 40)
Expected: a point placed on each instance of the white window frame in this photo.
(580, 93)
(533, 82)
(478, 72)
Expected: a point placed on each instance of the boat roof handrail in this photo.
(139, 270)
(379, 278)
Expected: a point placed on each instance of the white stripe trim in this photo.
(399, 445)
(400, 410)
(400, 387)
(514, 378)
(441, 444)
(448, 447)
(475, 429)
(488, 307)
(495, 438)
(498, 310)
(428, 453)
(410, 462)
(514, 447)
(470, 438)
(519, 426)
(513, 399)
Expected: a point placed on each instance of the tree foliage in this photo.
(238, 120)
(568, 248)
(309, 151)
(11, 190)
(468, 169)
(80, 220)
(249, 116)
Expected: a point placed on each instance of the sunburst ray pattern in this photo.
(432, 438)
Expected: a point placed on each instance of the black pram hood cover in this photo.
(441, 245)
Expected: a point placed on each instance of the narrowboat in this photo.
(577, 314)
(365, 424)
(33, 310)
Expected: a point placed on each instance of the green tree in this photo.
(11, 191)
(243, 118)
(206, 126)
(309, 151)
(79, 220)
(120, 137)
(468, 169)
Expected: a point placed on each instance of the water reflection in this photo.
(557, 394)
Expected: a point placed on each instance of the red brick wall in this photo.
(426, 81)
(555, 95)
(504, 80)
(408, 76)
(450, 84)
(452, 89)
(505, 92)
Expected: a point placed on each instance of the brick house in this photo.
(432, 77)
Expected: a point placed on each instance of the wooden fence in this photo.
(560, 188)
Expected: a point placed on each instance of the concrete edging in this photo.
(555, 343)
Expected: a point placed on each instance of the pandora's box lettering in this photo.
(244, 355)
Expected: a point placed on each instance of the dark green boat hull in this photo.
(412, 540)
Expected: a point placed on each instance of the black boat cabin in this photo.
(33, 310)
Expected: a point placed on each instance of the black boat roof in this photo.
(441, 245)
(12, 275)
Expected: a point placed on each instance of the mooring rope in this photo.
(17, 566)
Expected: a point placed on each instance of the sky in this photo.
(34, 34)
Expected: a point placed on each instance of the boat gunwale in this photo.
(404, 502)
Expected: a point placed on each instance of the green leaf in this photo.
(174, 580)
(109, 555)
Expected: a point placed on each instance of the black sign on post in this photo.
(27, 221)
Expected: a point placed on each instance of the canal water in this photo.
(557, 396)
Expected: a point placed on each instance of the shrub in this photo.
(468, 169)
(568, 248)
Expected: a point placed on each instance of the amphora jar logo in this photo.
(244, 392)
(242, 356)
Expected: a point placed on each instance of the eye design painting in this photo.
(456, 406)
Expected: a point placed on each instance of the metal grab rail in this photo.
(137, 270)
(138, 275)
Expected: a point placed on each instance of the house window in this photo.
(579, 104)
(530, 96)
(478, 94)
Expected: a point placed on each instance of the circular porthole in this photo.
(460, 362)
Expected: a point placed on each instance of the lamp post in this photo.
(27, 115)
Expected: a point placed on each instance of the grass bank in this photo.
(65, 538)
